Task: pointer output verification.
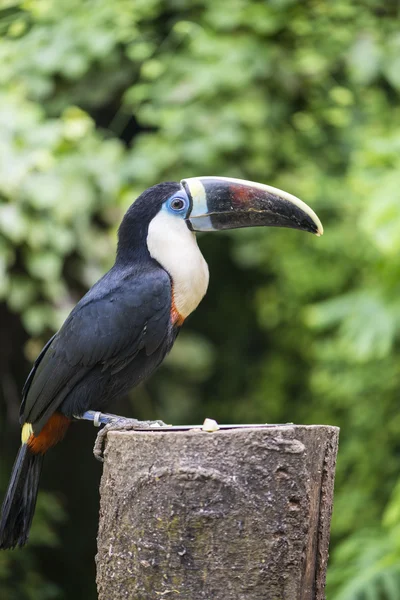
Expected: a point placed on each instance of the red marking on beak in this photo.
(240, 195)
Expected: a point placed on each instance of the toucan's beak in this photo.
(224, 203)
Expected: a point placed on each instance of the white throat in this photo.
(171, 244)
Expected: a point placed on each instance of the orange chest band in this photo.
(176, 317)
(52, 433)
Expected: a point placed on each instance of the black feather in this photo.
(20, 501)
(115, 337)
(91, 359)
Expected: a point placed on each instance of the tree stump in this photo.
(237, 514)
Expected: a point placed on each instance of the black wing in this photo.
(121, 315)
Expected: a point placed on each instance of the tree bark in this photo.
(237, 514)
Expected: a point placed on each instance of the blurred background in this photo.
(100, 99)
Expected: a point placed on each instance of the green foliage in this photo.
(20, 578)
(373, 572)
(44, 159)
(301, 95)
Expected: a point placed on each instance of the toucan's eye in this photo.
(177, 204)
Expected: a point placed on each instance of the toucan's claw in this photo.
(116, 423)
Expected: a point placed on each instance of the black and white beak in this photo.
(224, 203)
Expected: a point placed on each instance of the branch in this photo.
(234, 514)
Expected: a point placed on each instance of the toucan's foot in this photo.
(115, 423)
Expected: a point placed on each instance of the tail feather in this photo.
(20, 501)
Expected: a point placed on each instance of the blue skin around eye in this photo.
(182, 211)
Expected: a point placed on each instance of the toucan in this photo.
(126, 324)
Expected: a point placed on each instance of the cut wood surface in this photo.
(238, 514)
